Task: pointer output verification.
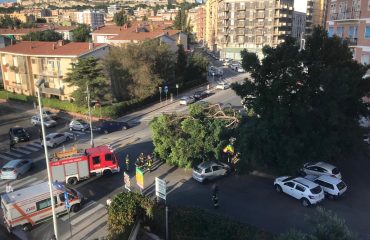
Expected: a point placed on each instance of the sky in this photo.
(300, 5)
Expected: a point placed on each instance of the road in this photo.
(247, 198)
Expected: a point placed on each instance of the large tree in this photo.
(120, 18)
(46, 36)
(306, 103)
(81, 33)
(87, 71)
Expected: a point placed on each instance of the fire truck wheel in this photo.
(107, 173)
(27, 227)
(72, 181)
(76, 208)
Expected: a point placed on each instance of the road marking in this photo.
(19, 184)
(37, 182)
(79, 133)
(5, 157)
(88, 228)
(65, 217)
(14, 154)
(21, 151)
(87, 214)
(31, 148)
(35, 144)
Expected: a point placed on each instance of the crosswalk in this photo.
(149, 117)
(87, 223)
(21, 183)
(26, 149)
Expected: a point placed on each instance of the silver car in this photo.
(36, 121)
(79, 125)
(15, 169)
(321, 168)
(210, 170)
(55, 139)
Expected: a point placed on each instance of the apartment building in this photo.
(211, 23)
(349, 19)
(22, 64)
(90, 17)
(251, 24)
(299, 24)
(319, 12)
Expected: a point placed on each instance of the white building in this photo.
(299, 24)
(90, 17)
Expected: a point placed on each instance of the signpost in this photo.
(68, 206)
(161, 192)
(177, 89)
(166, 91)
(126, 179)
(160, 94)
(140, 178)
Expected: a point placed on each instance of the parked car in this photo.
(200, 95)
(18, 134)
(55, 139)
(49, 114)
(111, 126)
(300, 188)
(333, 187)
(14, 169)
(79, 125)
(222, 85)
(240, 69)
(186, 100)
(320, 168)
(36, 121)
(210, 170)
(233, 66)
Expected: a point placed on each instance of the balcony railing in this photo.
(351, 41)
(345, 15)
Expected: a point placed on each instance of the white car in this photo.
(320, 168)
(333, 187)
(55, 139)
(222, 86)
(307, 192)
(186, 100)
(48, 114)
(210, 170)
(35, 120)
(240, 69)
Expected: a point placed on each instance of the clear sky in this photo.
(300, 5)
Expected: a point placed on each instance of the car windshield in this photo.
(18, 130)
(48, 139)
(72, 190)
(7, 169)
(80, 121)
(335, 171)
(341, 185)
(316, 190)
(288, 179)
(198, 170)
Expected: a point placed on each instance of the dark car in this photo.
(111, 126)
(18, 134)
(200, 95)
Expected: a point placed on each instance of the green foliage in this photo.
(193, 223)
(186, 140)
(81, 33)
(87, 71)
(120, 18)
(137, 70)
(9, 22)
(181, 63)
(11, 9)
(180, 21)
(124, 209)
(41, 20)
(45, 36)
(306, 104)
(145, 18)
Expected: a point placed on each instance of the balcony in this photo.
(351, 15)
(53, 91)
(351, 41)
(240, 24)
(240, 32)
(259, 24)
(240, 16)
(260, 7)
(260, 15)
(240, 8)
(259, 33)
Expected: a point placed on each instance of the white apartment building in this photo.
(92, 18)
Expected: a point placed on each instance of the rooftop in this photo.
(141, 36)
(150, 26)
(38, 48)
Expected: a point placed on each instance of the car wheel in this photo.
(305, 202)
(76, 208)
(278, 188)
(124, 128)
(72, 181)
(68, 138)
(19, 176)
(107, 173)
(106, 132)
(27, 227)
(54, 145)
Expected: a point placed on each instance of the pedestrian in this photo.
(8, 188)
(127, 161)
(150, 162)
(11, 145)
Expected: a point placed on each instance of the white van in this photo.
(32, 205)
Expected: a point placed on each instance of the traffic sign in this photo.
(140, 178)
(177, 85)
(126, 179)
(66, 202)
(166, 89)
(160, 188)
(160, 89)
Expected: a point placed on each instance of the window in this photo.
(45, 203)
(365, 59)
(216, 168)
(289, 184)
(352, 33)
(368, 5)
(33, 61)
(207, 170)
(320, 169)
(108, 157)
(340, 31)
(96, 160)
(367, 32)
(299, 188)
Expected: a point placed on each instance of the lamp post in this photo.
(88, 104)
(38, 85)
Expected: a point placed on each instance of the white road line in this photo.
(5, 157)
(87, 214)
(21, 151)
(85, 230)
(65, 217)
(35, 144)
(14, 154)
(35, 183)
(19, 184)
(31, 148)
(79, 133)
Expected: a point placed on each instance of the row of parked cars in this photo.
(317, 181)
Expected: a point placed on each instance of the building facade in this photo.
(211, 23)
(251, 24)
(299, 24)
(319, 12)
(22, 64)
(350, 20)
(90, 17)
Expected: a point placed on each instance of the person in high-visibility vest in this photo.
(127, 161)
(150, 162)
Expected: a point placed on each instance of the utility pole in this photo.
(88, 104)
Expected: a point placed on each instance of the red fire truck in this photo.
(73, 166)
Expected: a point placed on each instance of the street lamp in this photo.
(38, 85)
